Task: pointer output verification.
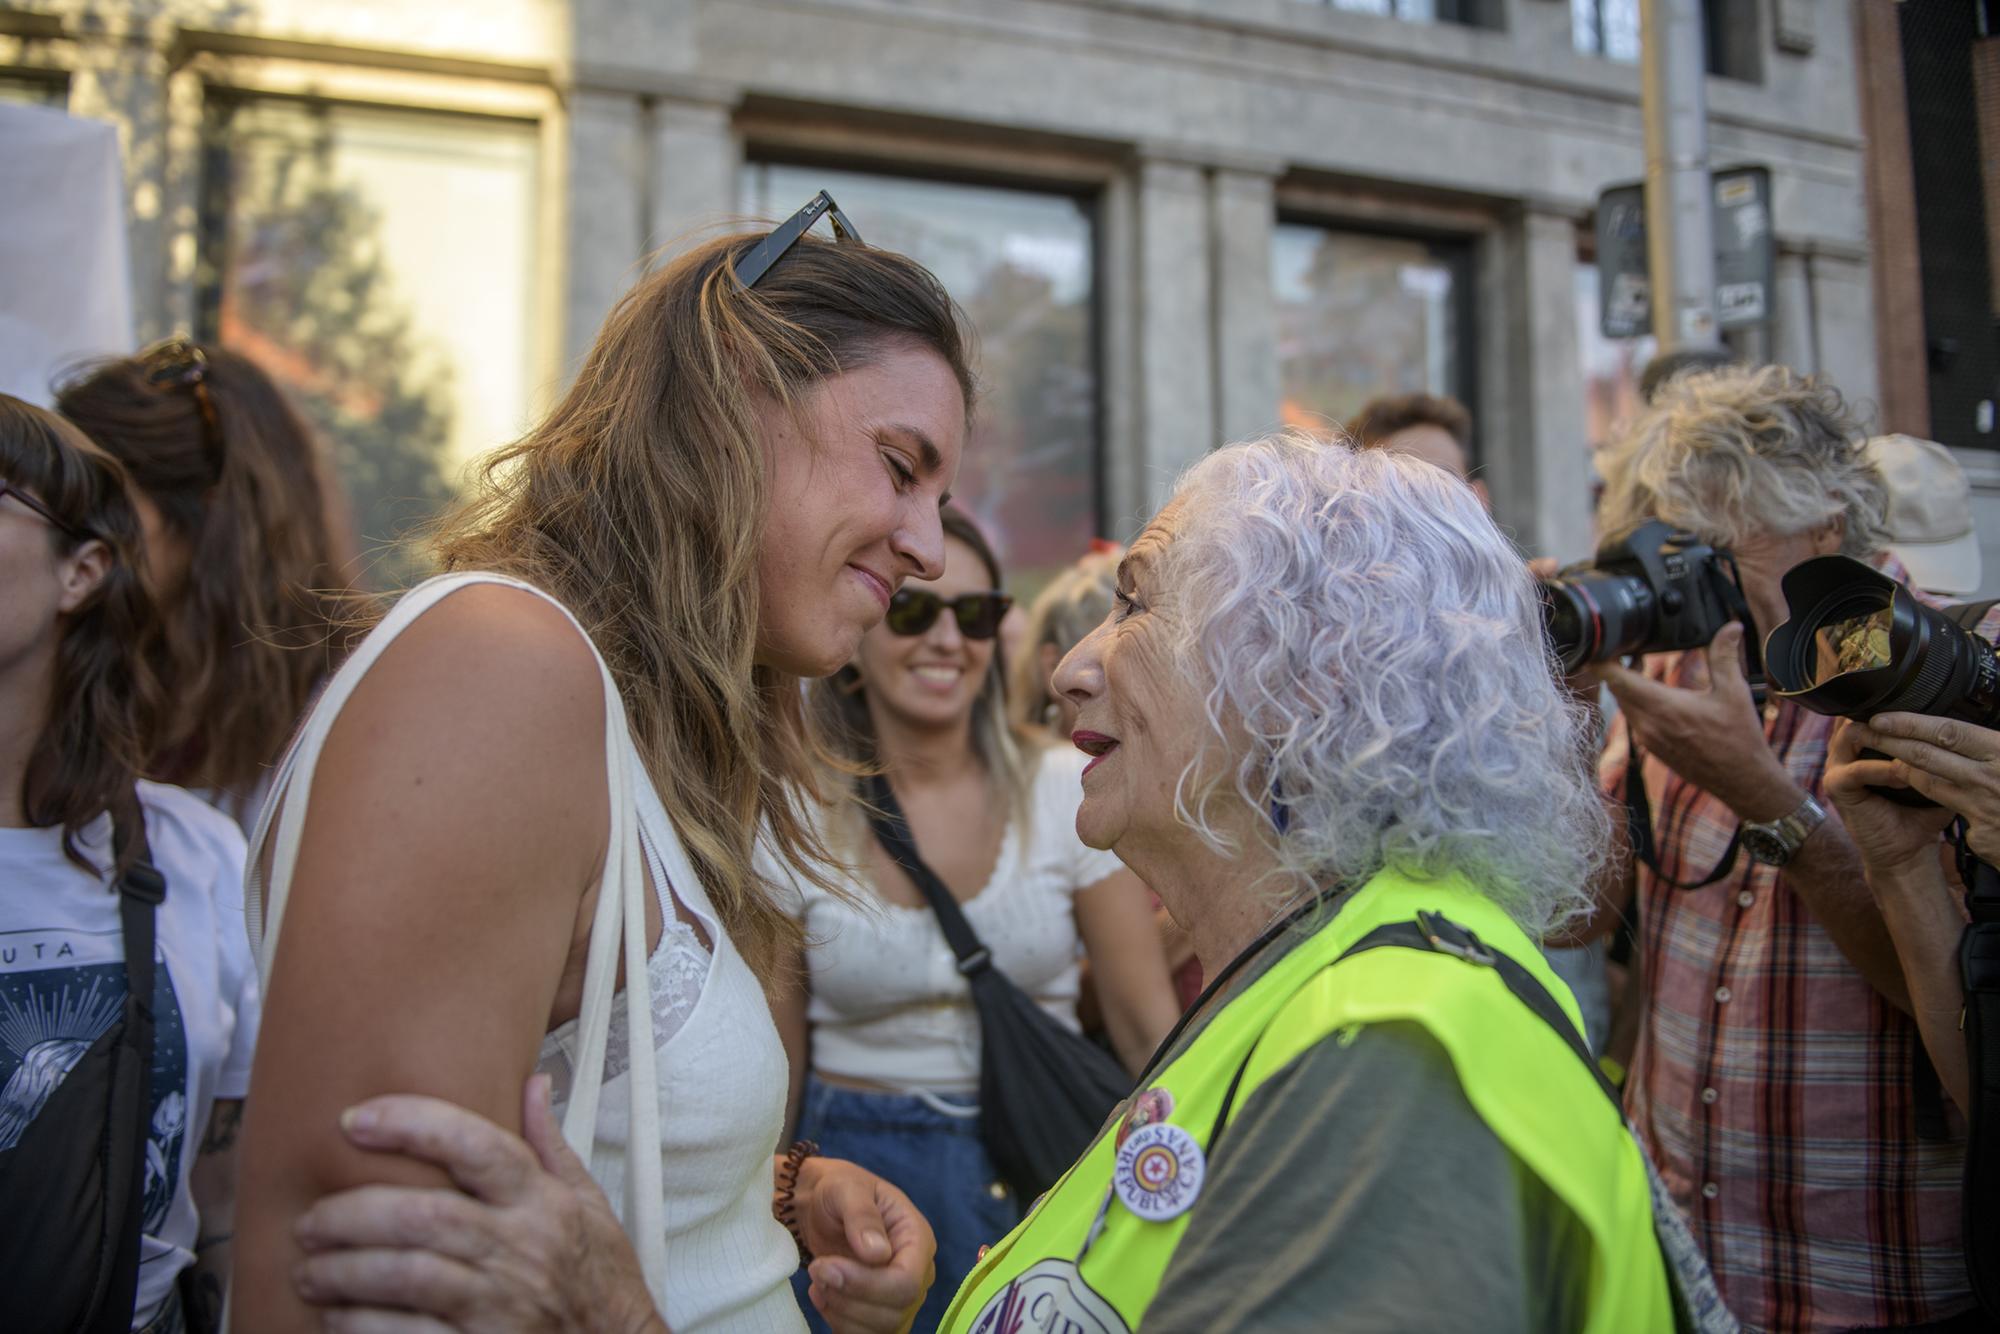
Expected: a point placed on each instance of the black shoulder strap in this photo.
(1431, 932)
(1639, 827)
(892, 831)
(141, 890)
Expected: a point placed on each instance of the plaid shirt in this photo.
(1772, 1085)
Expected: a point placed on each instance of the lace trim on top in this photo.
(675, 975)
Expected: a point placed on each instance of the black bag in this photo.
(1979, 974)
(1044, 1091)
(74, 1184)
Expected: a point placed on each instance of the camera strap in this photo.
(1639, 829)
(1639, 814)
(1979, 972)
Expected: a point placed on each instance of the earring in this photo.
(1281, 815)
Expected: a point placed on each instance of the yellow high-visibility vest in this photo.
(1085, 1262)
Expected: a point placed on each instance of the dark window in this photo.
(1023, 265)
(1951, 65)
(381, 266)
(1729, 28)
(1476, 13)
(42, 88)
(1362, 314)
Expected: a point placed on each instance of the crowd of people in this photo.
(709, 904)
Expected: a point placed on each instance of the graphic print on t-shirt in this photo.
(60, 990)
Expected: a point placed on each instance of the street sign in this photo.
(1745, 254)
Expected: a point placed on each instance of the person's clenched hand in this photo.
(1952, 762)
(872, 1251)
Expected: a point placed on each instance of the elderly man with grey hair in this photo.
(1778, 1080)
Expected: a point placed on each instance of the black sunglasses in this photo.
(54, 520)
(978, 614)
(785, 235)
(176, 363)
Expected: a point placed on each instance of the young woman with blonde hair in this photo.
(888, 1023)
(748, 464)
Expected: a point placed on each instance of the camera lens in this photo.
(1592, 617)
(1858, 643)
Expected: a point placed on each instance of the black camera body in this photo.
(1654, 590)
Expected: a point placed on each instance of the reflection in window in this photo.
(1608, 28)
(1472, 12)
(381, 266)
(1360, 316)
(33, 89)
(1021, 264)
(1611, 366)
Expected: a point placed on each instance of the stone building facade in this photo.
(1191, 142)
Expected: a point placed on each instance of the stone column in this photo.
(1843, 303)
(1794, 335)
(695, 157)
(607, 211)
(1174, 332)
(1533, 433)
(1246, 336)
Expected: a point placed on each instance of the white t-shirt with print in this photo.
(888, 1003)
(62, 984)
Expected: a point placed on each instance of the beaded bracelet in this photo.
(782, 1203)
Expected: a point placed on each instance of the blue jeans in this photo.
(935, 1159)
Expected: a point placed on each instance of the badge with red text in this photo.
(1158, 1172)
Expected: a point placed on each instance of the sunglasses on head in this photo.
(978, 614)
(785, 235)
(176, 363)
(48, 515)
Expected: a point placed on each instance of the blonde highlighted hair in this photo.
(639, 502)
(1733, 453)
(1073, 604)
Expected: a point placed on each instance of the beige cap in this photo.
(1930, 512)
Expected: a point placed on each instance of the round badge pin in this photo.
(1158, 1172)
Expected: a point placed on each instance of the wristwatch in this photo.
(1778, 842)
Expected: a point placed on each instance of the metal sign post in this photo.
(1744, 258)
(1674, 99)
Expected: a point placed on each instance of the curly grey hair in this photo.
(1734, 453)
(1358, 616)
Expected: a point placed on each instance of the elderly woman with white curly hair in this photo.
(1325, 728)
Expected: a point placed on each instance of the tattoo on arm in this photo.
(223, 1124)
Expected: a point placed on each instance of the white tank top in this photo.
(696, 1031)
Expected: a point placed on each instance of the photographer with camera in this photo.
(1773, 1082)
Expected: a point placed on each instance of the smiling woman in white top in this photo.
(567, 745)
(888, 1022)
